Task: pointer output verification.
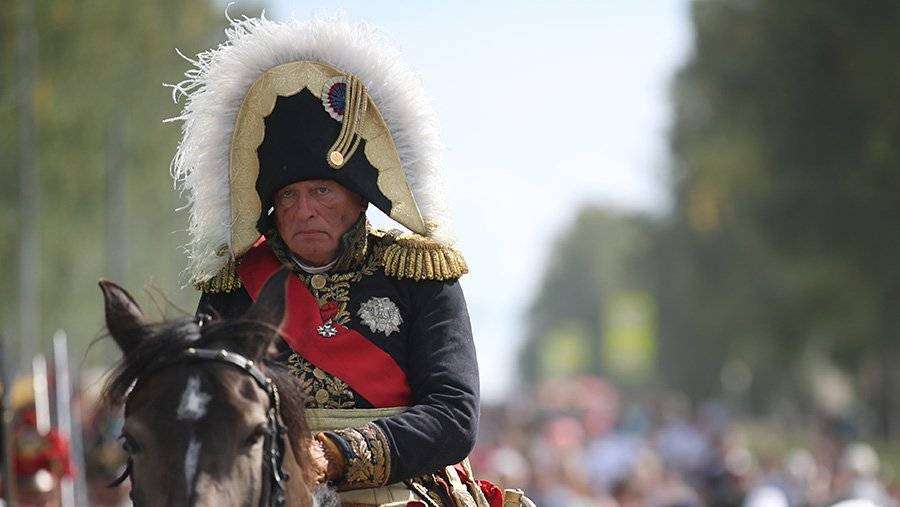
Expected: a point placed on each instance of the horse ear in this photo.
(270, 304)
(124, 318)
(268, 309)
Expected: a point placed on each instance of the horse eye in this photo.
(258, 433)
(129, 445)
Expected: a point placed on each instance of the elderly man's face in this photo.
(313, 215)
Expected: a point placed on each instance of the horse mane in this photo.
(173, 337)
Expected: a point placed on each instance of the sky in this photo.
(544, 107)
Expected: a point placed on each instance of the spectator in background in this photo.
(857, 477)
(41, 461)
(582, 443)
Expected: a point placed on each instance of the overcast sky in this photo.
(544, 106)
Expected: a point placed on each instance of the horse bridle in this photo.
(274, 445)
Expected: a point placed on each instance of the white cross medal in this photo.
(327, 329)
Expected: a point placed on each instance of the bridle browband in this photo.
(274, 445)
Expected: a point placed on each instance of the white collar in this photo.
(314, 270)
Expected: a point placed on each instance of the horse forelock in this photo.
(171, 338)
(164, 339)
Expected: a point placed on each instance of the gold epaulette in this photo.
(420, 258)
(226, 280)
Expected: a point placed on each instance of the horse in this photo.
(211, 418)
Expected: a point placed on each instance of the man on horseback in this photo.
(290, 132)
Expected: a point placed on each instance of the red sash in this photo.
(349, 356)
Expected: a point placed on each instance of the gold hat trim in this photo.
(286, 80)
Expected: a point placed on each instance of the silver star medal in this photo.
(327, 329)
(381, 315)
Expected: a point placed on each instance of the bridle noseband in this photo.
(274, 445)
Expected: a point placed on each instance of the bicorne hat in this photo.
(278, 103)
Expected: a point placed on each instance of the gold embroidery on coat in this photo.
(337, 285)
(370, 466)
(322, 389)
(226, 280)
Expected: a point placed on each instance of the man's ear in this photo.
(124, 318)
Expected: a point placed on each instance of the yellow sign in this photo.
(565, 351)
(629, 336)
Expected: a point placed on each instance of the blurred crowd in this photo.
(576, 442)
(582, 442)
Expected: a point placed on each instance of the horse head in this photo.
(199, 407)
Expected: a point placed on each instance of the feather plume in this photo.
(214, 88)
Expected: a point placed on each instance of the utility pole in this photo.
(7, 457)
(29, 185)
(63, 409)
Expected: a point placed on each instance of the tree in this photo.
(786, 144)
(98, 100)
(598, 269)
(783, 240)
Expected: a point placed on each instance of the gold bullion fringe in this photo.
(420, 258)
(226, 280)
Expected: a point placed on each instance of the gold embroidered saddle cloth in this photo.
(397, 494)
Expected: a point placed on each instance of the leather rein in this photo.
(274, 445)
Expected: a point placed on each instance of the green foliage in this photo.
(785, 234)
(98, 100)
(601, 256)
(786, 145)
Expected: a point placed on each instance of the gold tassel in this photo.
(226, 280)
(420, 258)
